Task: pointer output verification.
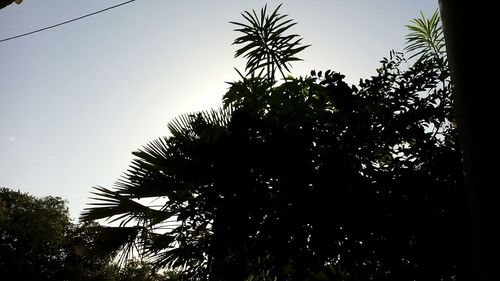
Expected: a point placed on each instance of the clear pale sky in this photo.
(76, 100)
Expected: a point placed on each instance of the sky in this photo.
(76, 100)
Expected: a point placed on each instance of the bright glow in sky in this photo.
(76, 100)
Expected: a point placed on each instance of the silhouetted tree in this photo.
(32, 234)
(39, 242)
(308, 179)
(266, 46)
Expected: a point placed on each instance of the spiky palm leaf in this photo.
(109, 241)
(114, 206)
(162, 170)
(265, 45)
(426, 38)
(183, 125)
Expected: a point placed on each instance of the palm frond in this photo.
(265, 46)
(109, 241)
(219, 117)
(184, 123)
(113, 206)
(181, 125)
(426, 39)
(159, 242)
(154, 173)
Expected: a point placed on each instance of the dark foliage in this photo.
(310, 179)
(32, 233)
(38, 242)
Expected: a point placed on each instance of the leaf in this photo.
(109, 241)
(264, 44)
(115, 207)
(426, 38)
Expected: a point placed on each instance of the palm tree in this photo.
(175, 229)
(191, 174)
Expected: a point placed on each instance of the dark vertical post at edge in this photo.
(471, 31)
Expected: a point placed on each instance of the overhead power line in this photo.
(65, 22)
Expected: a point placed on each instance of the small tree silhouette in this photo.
(265, 45)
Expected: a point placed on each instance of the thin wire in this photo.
(65, 22)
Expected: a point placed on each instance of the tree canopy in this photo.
(32, 233)
(308, 178)
(39, 242)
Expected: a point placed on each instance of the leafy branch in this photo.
(265, 44)
(426, 39)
